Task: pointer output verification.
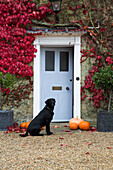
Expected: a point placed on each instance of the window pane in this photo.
(64, 61)
(49, 60)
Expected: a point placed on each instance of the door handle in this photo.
(67, 88)
(77, 78)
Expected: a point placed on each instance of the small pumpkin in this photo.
(42, 128)
(84, 125)
(73, 126)
(23, 125)
(76, 120)
(27, 124)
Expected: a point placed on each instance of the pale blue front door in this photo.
(56, 80)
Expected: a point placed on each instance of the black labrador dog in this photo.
(42, 119)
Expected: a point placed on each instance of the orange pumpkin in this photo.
(23, 125)
(42, 128)
(76, 120)
(84, 125)
(27, 124)
(73, 126)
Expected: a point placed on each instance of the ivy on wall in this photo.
(16, 47)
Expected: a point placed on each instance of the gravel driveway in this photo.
(64, 150)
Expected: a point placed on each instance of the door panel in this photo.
(56, 73)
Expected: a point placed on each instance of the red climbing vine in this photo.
(16, 47)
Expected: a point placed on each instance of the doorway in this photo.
(57, 80)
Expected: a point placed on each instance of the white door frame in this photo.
(58, 40)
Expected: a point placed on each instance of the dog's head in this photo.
(50, 103)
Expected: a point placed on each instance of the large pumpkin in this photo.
(73, 126)
(27, 124)
(23, 125)
(76, 120)
(84, 125)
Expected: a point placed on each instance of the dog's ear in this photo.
(48, 101)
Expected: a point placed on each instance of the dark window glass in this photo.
(64, 61)
(49, 61)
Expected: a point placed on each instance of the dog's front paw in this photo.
(49, 133)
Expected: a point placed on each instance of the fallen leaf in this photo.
(64, 145)
(66, 131)
(88, 143)
(65, 125)
(109, 147)
(61, 138)
(87, 153)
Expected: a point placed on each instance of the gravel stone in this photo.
(74, 150)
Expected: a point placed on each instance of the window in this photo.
(64, 61)
(49, 61)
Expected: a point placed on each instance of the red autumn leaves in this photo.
(84, 11)
(16, 45)
(77, 7)
(97, 94)
(15, 128)
(5, 90)
(16, 49)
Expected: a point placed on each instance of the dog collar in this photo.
(49, 109)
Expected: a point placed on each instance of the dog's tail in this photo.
(24, 135)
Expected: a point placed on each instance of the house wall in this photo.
(88, 112)
(25, 112)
